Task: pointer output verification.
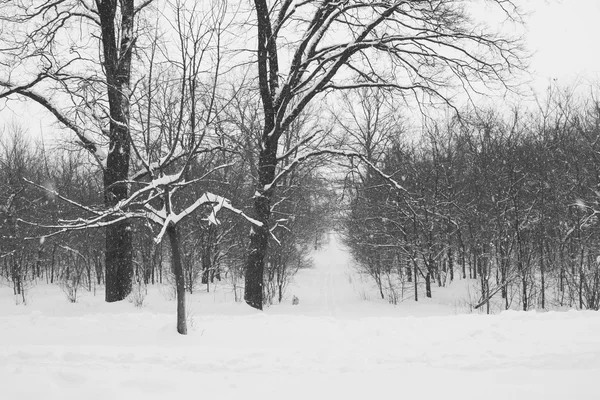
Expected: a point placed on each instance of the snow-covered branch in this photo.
(344, 153)
(138, 205)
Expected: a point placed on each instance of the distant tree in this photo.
(18, 160)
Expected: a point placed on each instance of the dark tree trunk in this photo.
(379, 281)
(268, 77)
(416, 279)
(179, 278)
(116, 54)
(280, 282)
(471, 265)
(451, 264)
(463, 263)
(118, 261)
(428, 278)
(206, 263)
(485, 283)
(88, 267)
(581, 287)
(525, 302)
(259, 236)
(53, 263)
(503, 271)
(38, 263)
(98, 267)
(190, 276)
(543, 276)
(505, 288)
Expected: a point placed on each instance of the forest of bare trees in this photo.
(508, 200)
(224, 128)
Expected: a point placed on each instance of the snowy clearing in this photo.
(335, 344)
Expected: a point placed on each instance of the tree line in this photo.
(172, 99)
(45, 191)
(508, 200)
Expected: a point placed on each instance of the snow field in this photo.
(333, 345)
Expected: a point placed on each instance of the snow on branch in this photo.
(207, 199)
(84, 224)
(137, 205)
(350, 154)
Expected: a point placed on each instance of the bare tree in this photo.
(414, 47)
(87, 92)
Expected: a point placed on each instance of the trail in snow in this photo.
(334, 287)
(328, 285)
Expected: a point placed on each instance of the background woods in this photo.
(508, 201)
(244, 132)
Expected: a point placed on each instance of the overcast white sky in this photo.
(563, 34)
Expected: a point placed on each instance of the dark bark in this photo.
(428, 278)
(268, 71)
(451, 264)
(280, 292)
(485, 284)
(379, 281)
(118, 261)
(524, 294)
(116, 54)
(207, 258)
(543, 276)
(53, 263)
(259, 236)
(416, 279)
(581, 287)
(97, 266)
(463, 262)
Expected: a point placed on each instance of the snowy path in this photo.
(334, 288)
(328, 286)
(321, 349)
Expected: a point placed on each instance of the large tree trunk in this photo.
(118, 262)
(259, 236)
(268, 77)
(117, 66)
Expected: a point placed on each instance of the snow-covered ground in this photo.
(340, 342)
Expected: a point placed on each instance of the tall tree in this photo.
(98, 88)
(416, 47)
